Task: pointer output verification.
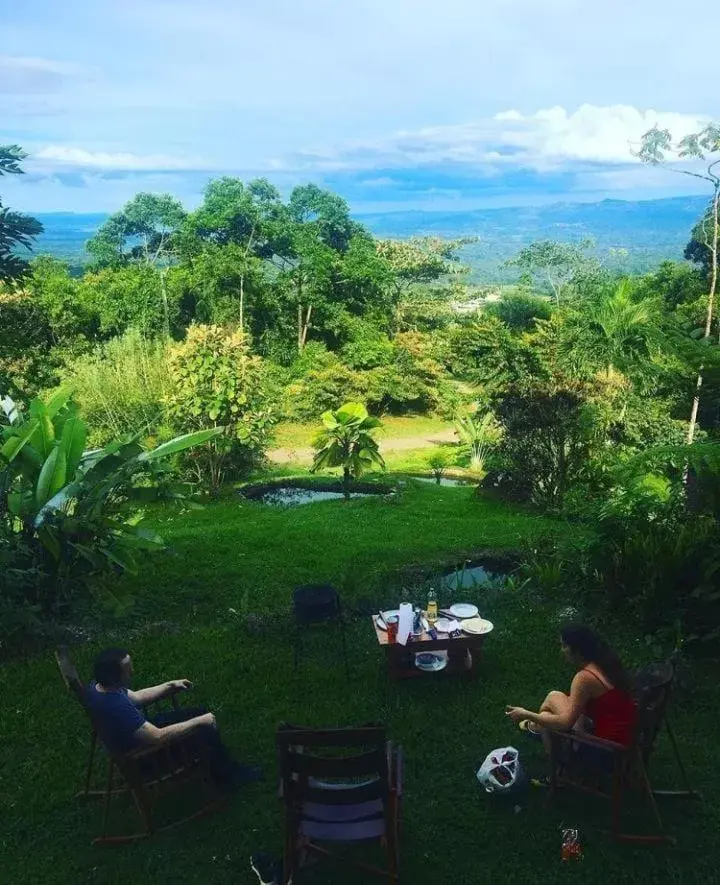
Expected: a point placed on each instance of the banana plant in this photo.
(79, 507)
(347, 441)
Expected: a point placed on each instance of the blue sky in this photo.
(396, 104)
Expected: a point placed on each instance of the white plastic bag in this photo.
(501, 771)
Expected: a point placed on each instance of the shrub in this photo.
(217, 383)
(550, 437)
(520, 310)
(121, 386)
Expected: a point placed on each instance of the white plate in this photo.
(477, 626)
(445, 625)
(388, 614)
(464, 610)
(430, 662)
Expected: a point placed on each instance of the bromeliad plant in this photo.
(77, 509)
(347, 441)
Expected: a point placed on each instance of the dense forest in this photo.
(597, 392)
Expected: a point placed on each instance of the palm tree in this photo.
(626, 332)
(347, 441)
(478, 434)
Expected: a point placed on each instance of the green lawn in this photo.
(295, 435)
(248, 557)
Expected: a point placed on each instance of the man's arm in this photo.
(150, 735)
(146, 696)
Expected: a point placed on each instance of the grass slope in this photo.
(452, 831)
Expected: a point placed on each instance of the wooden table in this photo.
(464, 653)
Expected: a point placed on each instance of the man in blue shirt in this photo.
(123, 726)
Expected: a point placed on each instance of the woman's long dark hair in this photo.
(588, 646)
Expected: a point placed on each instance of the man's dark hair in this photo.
(108, 666)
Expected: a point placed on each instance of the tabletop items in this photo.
(451, 638)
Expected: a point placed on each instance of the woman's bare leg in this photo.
(557, 703)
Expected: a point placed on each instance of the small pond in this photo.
(444, 481)
(294, 493)
(475, 574)
(289, 497)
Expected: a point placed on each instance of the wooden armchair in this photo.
(145, 773)
(340, 786)
(604, 768)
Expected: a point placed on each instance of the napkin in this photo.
(405, 623)
(453, 626)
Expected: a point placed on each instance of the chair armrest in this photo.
(588, 740)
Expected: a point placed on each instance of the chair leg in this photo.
(343, 639)
(298, 644)
(649, 790)
(91, 762)
(108, 796)
(617, 797)
(688, 792)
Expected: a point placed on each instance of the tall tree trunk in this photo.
(166, 310)
(346, 482)
(710, 309)
(305, 327)
(242, 302)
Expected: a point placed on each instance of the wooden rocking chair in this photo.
(339, 786)
(144, 773)
(610, 770)
(75, 685)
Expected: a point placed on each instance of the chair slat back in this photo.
(653, 688)
(333, 766)
(69, 674)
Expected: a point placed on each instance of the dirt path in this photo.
(304, 455)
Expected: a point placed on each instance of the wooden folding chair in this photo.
(610, 770)
(340, 786)
(75, 685)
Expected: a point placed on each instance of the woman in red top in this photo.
(600, 698)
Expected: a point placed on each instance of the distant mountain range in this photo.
(648, 230)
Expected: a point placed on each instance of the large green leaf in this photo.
(43, 436)
(58, 401)
(14, 445)
(52, 476)
(73, 439)
(49, 539)
(181, 443)
(351, 413)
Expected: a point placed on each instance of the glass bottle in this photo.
(432, 607)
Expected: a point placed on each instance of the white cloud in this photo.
(548, 139)
(61, 156)
(25, 75)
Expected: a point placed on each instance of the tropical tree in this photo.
(236, 228)
(145, 232)
(77, 509)
(561, 266)
(613, 332)
(658, 148)
(16, 229)
(478, 434)
(347, 440)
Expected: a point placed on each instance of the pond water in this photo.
(444, 481)
(287, 496)
(474, 575)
